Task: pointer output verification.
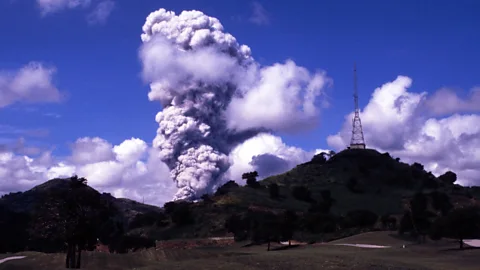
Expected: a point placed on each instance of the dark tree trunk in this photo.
(289, 242)
(79, 257)
(72, 256)
(461, 243)
(268, 246)
(67, 257)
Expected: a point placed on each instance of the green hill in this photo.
(355, 180)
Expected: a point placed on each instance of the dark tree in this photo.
(179, 212)
(289, 225)
(237, 225)
(226, 188)
(441, 202)
(353, 186)
(460, 223)
(418, 219)
(326, 195)
(418, 204)
(13, 230)
(319, 158)
(265, 227)
(74, 216)
(148, 219)
(126, 243)
(302, 193)
(388, 222)
(406, 223)
(319, 223)
(251, 178)
(324, 205)
(448, 178)
(417, 166)
(206, 199)
(359, 218)
(274, 191)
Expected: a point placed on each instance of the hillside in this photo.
(355, 180)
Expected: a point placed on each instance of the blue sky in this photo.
(433, 43)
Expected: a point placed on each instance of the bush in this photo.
(126, 243)
(274, 191)
(461, 223)
(389, 222)
(319, 223)
(179, 212)
(441, 202)
(359, 218)
(319, 159)
(301, 193)
(147, 219)
(448, 178)
(353, 186)
(226, 188)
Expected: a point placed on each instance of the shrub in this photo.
(448, 178)
(274, 191)
(301, 193)
(226, 188)
(359, 218)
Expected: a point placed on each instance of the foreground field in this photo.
(441, 255)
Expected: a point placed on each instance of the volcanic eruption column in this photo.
(195, 70)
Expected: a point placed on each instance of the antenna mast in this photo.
(357, 142)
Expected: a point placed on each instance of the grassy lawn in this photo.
(318, 256)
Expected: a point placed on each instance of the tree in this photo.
(73, 214)
(273, 190)
(324, 205)
(206, 198)
(319, 158)
(388, 222)
(288, 225)
(13, 230)
(448, 178)
(461, 223)
(441, 202)
(226, 188)
(359, 218)
(301, 193)
(266, 228)
(179, 212)
(251, 178)
(237, 225)
(353, 186)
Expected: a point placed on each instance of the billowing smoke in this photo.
(207, 84)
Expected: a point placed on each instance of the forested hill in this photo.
(352, 191)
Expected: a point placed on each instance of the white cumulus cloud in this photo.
(267, 154)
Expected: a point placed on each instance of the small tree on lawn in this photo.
(289, 225)
(461, 223)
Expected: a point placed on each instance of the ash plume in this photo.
(196, 70)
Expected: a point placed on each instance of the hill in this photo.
(344, 195)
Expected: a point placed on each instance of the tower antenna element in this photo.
(357, 142)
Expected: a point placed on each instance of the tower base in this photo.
(357, 146)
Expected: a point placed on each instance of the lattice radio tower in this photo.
(357, 142)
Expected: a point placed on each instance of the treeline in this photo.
(432, 214)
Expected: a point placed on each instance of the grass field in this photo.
(440, 255)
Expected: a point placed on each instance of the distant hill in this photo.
(355, 180)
